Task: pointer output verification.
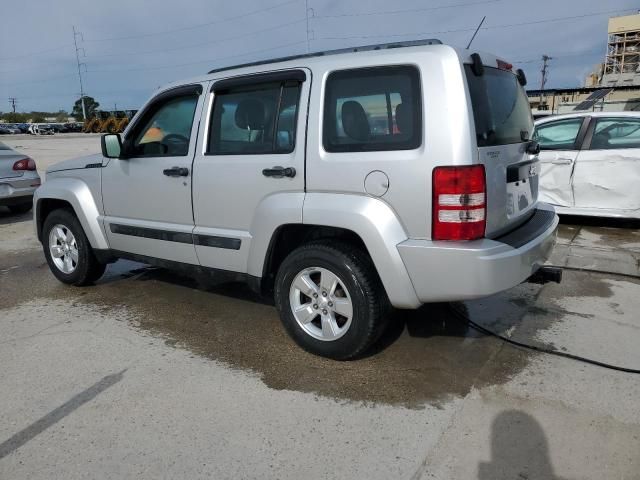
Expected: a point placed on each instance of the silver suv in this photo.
(343, 183)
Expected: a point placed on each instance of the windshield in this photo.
(500, 108)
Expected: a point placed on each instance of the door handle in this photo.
(562, 161)
(176, 172)
(279, 172)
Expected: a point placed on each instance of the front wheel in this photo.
(331, 300)
(67, 250)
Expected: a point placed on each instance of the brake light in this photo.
(459, 203)
(502, 65)
(25, 164)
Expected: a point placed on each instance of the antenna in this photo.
(75, 43)
(476, 32)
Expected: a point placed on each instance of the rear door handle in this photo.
(279, 172)
(176, 172)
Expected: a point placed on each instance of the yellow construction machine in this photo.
(108, 122)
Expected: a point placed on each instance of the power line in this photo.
(490, 27)
(37, 52)
(194, 45)
(410, 10)
(193, 27)
(200, 62)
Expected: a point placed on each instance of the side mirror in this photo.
(111, 145)
(533, 148)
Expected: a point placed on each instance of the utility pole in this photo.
(75, 43)
(545, 70)
(12, 101)
(306, 14)
(543, 80)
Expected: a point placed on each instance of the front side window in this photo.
(256, 119)
(558, 135)
(373, 109)
(616, 133)
(167, 131)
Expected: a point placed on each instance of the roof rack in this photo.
(363, 48)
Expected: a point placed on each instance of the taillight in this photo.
(25, 164)
(459, 203)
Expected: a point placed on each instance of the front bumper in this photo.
(17, 190)
(452, 271)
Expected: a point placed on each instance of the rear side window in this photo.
(255, 119)
(616, 133)
(500, 107)
(558, 135)
(373, 109)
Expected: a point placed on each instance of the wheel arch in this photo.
(73, 194)
(363, 221)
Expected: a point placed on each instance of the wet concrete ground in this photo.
(201, 362)
(149, 374)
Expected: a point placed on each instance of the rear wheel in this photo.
(331, 300)
(67, 250)
(21, 207)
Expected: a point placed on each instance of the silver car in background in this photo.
(18, 180)
(591, 163)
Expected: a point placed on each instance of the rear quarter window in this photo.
(373, 109)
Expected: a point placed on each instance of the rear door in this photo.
(253, 150)
(504, 127)
(559, 146)
(607, 172)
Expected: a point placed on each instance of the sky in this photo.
(129, 48)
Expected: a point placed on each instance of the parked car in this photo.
(4, 130)
(41, 129)
(591, 163)
(18, 180)
(280, 179)
(10, 128)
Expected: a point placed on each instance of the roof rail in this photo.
(363, 48)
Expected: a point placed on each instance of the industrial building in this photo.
(613, 86)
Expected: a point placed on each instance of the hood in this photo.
(90, 161)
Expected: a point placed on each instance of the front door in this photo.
(147, 195)
(251, 164)
(607, 173)
(558, 153)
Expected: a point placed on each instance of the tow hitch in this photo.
(546, 275)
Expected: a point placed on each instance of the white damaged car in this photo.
(590, 163)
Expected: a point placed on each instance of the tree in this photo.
(11, 117)
(89, 104)
(37, 117)
(61, 116)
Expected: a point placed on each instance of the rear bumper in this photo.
(17, 190)
(450, 271)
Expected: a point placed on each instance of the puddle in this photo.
(427, 357)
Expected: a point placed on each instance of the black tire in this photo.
(369, 300)
(88, 269)
(21, 207)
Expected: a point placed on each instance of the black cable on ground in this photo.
(593, 270)
(462, 316)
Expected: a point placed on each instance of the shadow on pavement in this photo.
(519, 449)
(7, 216)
